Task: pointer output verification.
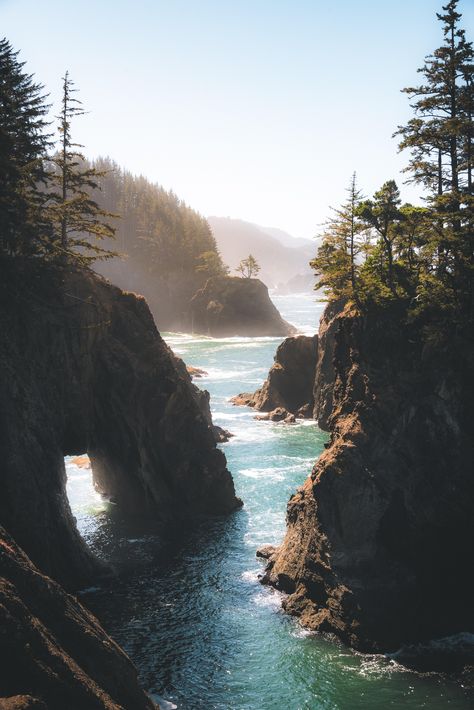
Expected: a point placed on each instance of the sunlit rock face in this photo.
(55, 655)
(379, 538)
(85, 370)
(228, 306)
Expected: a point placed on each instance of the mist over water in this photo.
(193, 617)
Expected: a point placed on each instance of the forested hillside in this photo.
(166, 249)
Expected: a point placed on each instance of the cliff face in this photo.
(55, 655)
(378, 542)
(85, 370)
(324, 376)
(228, 306)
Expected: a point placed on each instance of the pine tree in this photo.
(437, 135)
(440, 140)
(23, 146)
(382, 214)
(336, 260)
(79, 221)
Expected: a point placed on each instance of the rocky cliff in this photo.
(300, 382)
(290, 381)
(85, 370)
(378, 548)
(228, 306)
(54, 653)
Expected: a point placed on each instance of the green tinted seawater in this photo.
(201, 629)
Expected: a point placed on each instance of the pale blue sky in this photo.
(253, 109)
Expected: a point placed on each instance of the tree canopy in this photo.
(421, 257)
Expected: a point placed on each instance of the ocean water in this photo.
(192, 615)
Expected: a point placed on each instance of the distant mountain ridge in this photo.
(281, 256)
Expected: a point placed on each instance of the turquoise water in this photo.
(193, 617)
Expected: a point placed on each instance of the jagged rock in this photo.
(54, 653)
(229, 305)
(266, 552)
(195, 371)
(245, 399)
(277, 415)
(221, 435)
(85, 370)
(290, 381)
(22, 702)
(378, 545)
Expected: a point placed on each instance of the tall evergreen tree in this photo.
(437, 134)
(336, 261)
(382, 214)
(440, 140)
(23, 146)
(80, 224)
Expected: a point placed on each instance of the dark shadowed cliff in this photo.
(378, 547)
(85, 370)
(55, 655)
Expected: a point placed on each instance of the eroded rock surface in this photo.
(228, 306)
(54, 654)
(378, 548)
(84, 370)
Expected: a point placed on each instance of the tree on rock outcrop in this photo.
(248, 267)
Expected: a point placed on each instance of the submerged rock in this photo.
(85, 370)
(55, 655)
(378, 545)
(228, 306)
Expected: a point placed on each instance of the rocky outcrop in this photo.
(301, 380)
(84, 370)
(228, 306)
(54, 653)
(289, 384)
(379, 538)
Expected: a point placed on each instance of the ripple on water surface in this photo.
(201, 629)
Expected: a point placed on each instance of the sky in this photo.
(254, 109)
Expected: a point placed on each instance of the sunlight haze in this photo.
(255, 110)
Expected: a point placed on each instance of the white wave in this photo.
(300, 632)
(232, 415)
(267, 598)
(251, 575)
(272, 473)
(162, 703)
(254, 435)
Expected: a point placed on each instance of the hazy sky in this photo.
(258, 109)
